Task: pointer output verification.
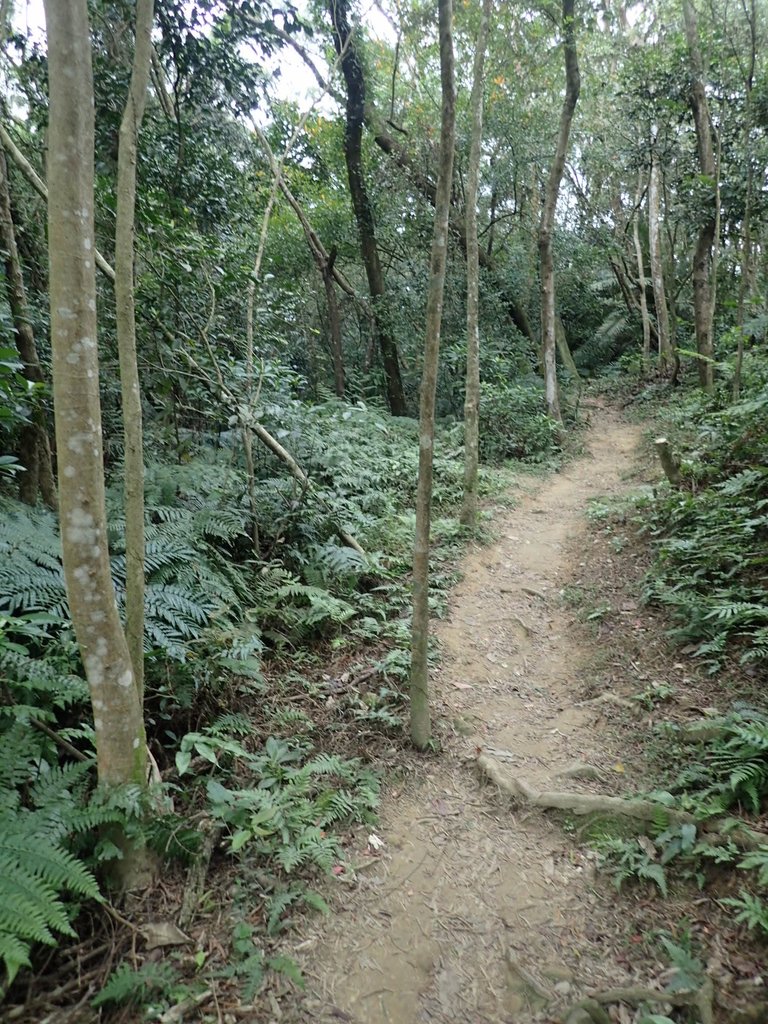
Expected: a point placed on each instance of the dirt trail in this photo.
(480, 911)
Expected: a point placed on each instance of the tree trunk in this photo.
(566, 356)
(120, 740)
(666, 354)
(423, 184)
(472, 395)
(352, 70)
(420, 712)
(125, 313)
(334, 324)
(35, 447)
(547, 225)
(746, 224)
(646, 320)
(703, 307)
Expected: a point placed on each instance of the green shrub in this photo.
(712, 540)
(514, 425)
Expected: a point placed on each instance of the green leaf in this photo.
(219, 794)
(240, 838)
(288, 967)
(206, 751)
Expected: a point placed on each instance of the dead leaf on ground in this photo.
(163, 933)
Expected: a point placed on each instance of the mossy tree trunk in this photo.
(745, 275)
(420, 711)
(666, 352)
(703, 283)
(334, 324)
(119, 728)
(354, 78)
(472, 393)
(646, 320)
(547, 223)
(125, 313)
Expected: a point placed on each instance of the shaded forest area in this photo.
(289, 293)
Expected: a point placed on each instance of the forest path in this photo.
(476, 910)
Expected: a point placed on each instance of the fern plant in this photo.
(288, 816)
(732, 769)
(712, 544)
(36, 868)
(751, 910)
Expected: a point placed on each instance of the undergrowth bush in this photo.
(41, 806)
(724, 774)
(514, 424)
(217, 608)
(712, 536)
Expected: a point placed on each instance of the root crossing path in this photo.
(479, 910)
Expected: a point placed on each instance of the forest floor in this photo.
(477, 909)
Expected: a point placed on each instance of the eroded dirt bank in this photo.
(478, 911)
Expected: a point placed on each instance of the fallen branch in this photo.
(636, 808)
(177, 1013)
(59, 740)
(275, 447)
(41, 188)
(198, 873)
(298, 473)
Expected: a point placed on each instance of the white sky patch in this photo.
(295, 83)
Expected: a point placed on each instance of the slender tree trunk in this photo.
(566, 356)
(424, 184)
(334, 324)
(35, 448)
(745, 274)
(354, 78)
(746, 225)
(420, 712)
(646, 320)
(472, 394)
(126, 342)
(120, 740)
(547, 225)
(703, 307)
(666, 355)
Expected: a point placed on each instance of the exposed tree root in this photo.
(592, 1007)
(616, 806)
(612, 698)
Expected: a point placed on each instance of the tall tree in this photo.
(646, 321)
(657, 266)
(703, 286)
(120, 739)
(354, 78)
(472, 393)
(547, 225)
(419, 681)
(125, 310)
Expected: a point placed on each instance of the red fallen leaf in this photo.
(636, 939)
(338, 869)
